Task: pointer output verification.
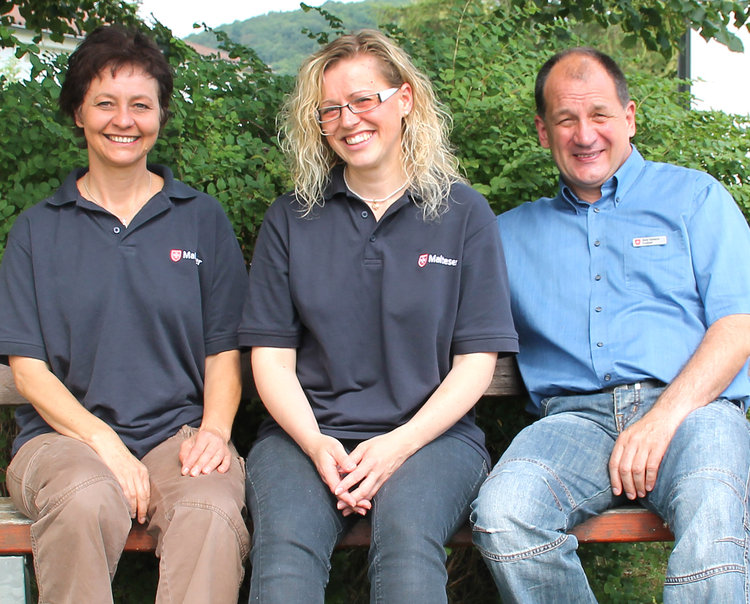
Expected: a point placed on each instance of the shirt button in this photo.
(599, 344)
(597, 243)
(372, 238)
(598, 278)
(598, 309)
(364, 214)
(597, 210)
(607, 377)
(116, 230)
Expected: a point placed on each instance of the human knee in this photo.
(519, 508)
(220, 506)
(406, 538)
(96, 502)
(513, 491)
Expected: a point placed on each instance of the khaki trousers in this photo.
(81, 522)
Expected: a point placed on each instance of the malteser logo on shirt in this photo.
(177, 255)
(425, 259)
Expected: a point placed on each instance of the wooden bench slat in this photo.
(613, 526)
(620, 525)
(9, 396)
(15, 535)
(506, 380)
(623, 525)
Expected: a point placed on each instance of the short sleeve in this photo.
(223, 300)
(720, 248)
(20, 330)
(269, 316)
(484, 322)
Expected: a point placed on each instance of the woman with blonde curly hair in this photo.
(376, 308)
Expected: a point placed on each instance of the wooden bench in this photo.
(628, 524)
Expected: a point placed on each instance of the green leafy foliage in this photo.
(657, 24)
(58, 18)
(221, 138)
(37, 147)
(622, 573)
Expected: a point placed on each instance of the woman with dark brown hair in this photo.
(118, 316)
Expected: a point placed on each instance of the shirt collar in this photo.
(173, 190)
(336, 184)
(615, 188)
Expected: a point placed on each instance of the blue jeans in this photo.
(554, 475)
(296, 524)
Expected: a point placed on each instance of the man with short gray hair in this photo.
(631, 296)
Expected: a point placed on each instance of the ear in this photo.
(541, 130)
(77, 118)
(630, 118)
(405, 98)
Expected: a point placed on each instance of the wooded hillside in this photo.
(276, 36)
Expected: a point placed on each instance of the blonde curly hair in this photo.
(429, 162)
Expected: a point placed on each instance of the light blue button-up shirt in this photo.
(623, 289)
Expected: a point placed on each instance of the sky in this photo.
(723, 75)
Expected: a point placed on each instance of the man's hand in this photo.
(205, 451)
(638, 451)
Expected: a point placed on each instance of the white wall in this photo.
(721, 78)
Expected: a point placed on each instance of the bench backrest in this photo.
(505, 382)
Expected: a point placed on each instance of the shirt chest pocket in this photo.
(656, 261)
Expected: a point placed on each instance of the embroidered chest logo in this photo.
(177, 255)
(425, 259)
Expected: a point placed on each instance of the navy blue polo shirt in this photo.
(124, 317)
(377, 309)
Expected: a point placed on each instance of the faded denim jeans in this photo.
(296, 524)
(554, 475)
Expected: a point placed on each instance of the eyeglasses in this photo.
(361, 105)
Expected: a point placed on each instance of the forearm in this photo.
(275, 375)
(57, 406)
(720, 356)
(274, 370)
(62, 411)
(640, 448)
(222, 391)
(465, 383)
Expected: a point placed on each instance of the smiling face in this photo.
(365, 141)
(585, 125)
(120, 117)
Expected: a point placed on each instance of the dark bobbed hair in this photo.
(609, 65)
(112, 47)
